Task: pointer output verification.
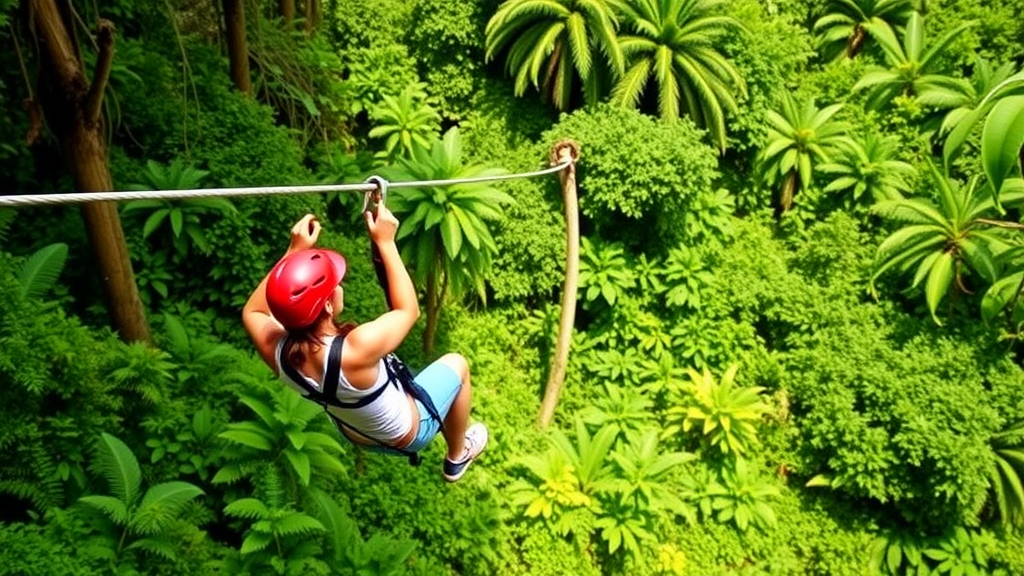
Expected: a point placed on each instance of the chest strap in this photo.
(397, 374)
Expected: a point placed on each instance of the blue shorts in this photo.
(442, 384)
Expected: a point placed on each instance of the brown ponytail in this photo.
(307, 340)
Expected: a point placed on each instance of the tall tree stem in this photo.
(564, 152)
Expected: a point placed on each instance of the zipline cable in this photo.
(82, 197)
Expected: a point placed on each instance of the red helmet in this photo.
(300, 285)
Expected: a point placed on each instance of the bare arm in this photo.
(263, 329)
(372, 340)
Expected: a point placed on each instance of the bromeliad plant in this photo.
(605, 274)
(914, 65)
(567, 479)
(739, 496)
(867, 170)
(725, 413)
(406, 123)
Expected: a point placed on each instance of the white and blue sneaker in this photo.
(476, 441)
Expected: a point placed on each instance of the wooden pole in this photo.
(563, 152)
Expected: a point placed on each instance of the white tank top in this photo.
(387, 419)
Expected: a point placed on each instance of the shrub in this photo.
(637, 175)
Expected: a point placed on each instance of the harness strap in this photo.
(397, 372)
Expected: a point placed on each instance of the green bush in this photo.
(637, 175)
(52, 550)
(57, 394)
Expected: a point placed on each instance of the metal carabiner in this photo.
(376, 196)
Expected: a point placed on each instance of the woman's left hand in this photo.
(304, 234)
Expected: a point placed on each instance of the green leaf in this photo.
(41, 270)
(939, 280)
(451, 234)
(177, 221)
(300, 463)
(153, 222)
(255, 541)
(112, 507)
(119, 467)
(249, 508)
(248, 438)
(1001, 140)
(298, 523)
(1000, 295)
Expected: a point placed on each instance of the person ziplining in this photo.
(292, 319)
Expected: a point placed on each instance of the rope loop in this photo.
(378, 195)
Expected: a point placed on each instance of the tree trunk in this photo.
(564, 151)
(287, 8)
(789, 188)
(307, 11)
(238, 46)
(73, 110)
(856, 41)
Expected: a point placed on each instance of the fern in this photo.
(116, 463)
(162, 505)
(247, 508)
(298, 524)
(41, 270)
(111, 507)
(177, 337)
(145, 370)
(38, 481)
(342, 534)
(6, 217)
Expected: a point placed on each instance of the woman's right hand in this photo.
(383, 227)
(304, 234)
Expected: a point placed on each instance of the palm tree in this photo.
(867, 171)
(913, 64)
(843, 29)
(940, 239)
(406, 123)
(797, 140)
(549, 42)
(444, 234)
(673, 48)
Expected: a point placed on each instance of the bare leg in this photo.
(457, 420)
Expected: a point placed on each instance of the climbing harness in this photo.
(375, 190)
(398, 375)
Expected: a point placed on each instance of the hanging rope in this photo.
(81, 197)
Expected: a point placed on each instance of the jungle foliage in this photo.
(797, 347)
